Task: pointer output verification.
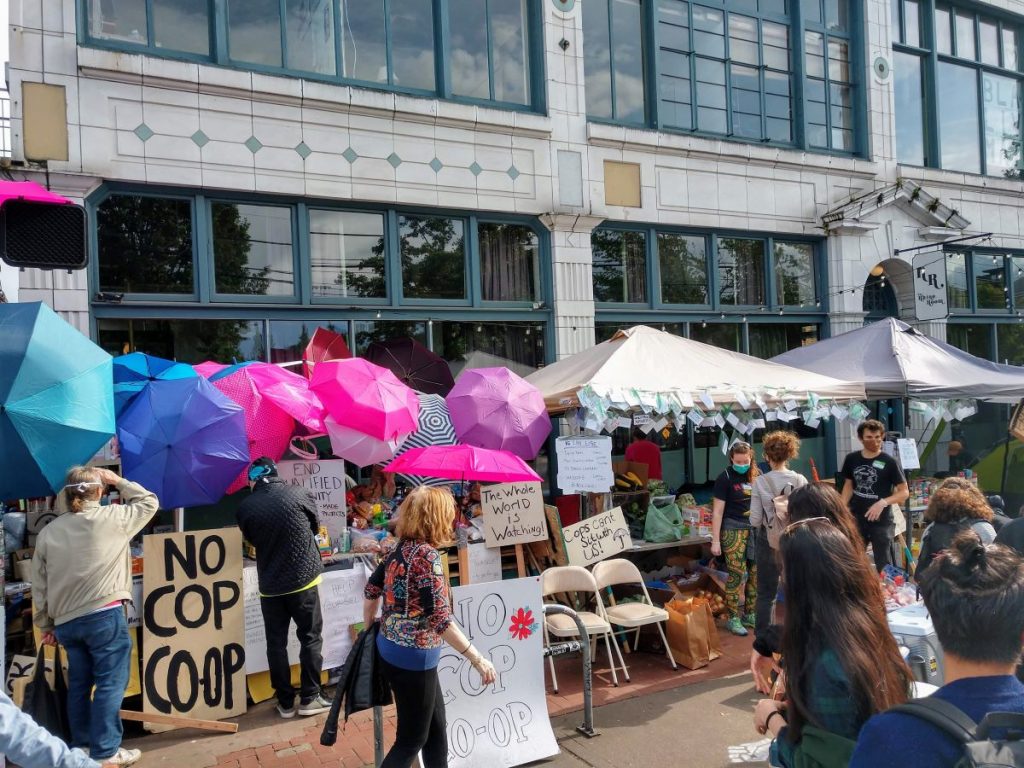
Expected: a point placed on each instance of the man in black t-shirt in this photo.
(872, 481)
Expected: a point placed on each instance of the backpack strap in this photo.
(942, 715)
(1012, 722)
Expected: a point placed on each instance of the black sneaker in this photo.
(314, 706)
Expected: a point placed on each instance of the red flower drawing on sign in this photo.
(522, 625)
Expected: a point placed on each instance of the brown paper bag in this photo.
(714, 646)
(687, 632)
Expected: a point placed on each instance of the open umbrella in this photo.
(289, 392)
(495, 408)
(464, 462)
(413, 364)
(133, 371)
(325, 345)
(358, 447)
(434, 427)
(208, 368)
(183, 440)
(56, 399)
(366, 398)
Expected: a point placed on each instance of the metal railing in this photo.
(5, 123)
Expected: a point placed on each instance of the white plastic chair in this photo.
(630, 615)
(573, 578)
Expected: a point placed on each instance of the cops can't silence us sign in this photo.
(513, 513)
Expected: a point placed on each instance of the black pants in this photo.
(879, 534)
(767, 582)
(421, 722)
(304, 609)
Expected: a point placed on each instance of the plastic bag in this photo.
(663, 524)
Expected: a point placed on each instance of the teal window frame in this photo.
(220, 54)
(794, 20)
(714, 305)
(1005, 260)
(930, 58)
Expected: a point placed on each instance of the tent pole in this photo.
(179, 519)
(1006, 464)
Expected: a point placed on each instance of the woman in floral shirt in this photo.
(416, 622)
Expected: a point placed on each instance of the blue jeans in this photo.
(99, 653)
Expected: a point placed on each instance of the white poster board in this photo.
(325, 480)
(930, 299)
(484, 563)
(506, 723)
(341, 604)
(597, 538)
(513, 513)
(907, 448)
(584, 464)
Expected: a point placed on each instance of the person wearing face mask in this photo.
(730, 530)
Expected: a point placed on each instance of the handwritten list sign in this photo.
(597, 538)
(325, 480)
(513, 513)
(584, 464)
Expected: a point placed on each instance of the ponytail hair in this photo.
(82, 484)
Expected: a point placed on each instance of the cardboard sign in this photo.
(907, 447)
(484, 564)
(325, 480)
(341, 605)
(506, 723)
(584, 464)
(513, 513)
(193, 624)
(597, 537)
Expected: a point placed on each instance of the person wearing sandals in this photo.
(730, 532)
(780, 447)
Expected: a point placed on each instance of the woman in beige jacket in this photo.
(81, 578)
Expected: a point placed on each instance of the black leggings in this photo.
(421, 723)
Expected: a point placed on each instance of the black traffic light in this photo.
(43, 235)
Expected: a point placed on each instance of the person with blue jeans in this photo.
(81, 579)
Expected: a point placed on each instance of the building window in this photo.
(769, 340)
(433, 256)
(620, 266)
(989, 281)
(184, 340)
(144, 245)
(957, 293)
(977, 108)
(795, 279)
(509, 262)
(347, 256)
(480, 50)
(729, 71)
(252, 250)
(614, 59)
(974, 339)
(684, 268)
(741, 276)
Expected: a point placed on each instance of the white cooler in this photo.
(912, 627)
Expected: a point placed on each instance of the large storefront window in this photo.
(620, 266)
(433, 257)
(187, 341)
(684, 268)
(252, 250)
(741, 275)
(975, 103)
(480, 50)
(347, 256)
(509, 262)
(725, 71)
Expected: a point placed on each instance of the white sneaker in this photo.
(314, 706)
(286, 712)
(123, 757)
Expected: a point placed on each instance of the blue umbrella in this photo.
(56, 400)
(183, 440)
(132, 373)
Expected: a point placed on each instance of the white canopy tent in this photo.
(891, 359)
(646, 360)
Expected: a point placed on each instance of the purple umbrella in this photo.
(184, 440)
(494, 408)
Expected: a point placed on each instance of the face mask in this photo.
(741, 468)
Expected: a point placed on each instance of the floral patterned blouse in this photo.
(416, 607)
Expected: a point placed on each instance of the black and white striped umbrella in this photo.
(435, 428)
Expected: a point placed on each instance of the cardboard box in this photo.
(638, 469)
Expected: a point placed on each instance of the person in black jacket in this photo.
(280, 521)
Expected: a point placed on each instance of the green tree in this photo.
(433, 257)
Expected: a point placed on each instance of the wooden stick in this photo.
(181, 722)
(520, 561)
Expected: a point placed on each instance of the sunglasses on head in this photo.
(793, 526)
(738, 446)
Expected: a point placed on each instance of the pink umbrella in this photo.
(366, 398)
(358, 447)
(463, 462)
(495, 408)
(208, 368)
(289, 392)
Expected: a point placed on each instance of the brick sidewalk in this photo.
(264, 739)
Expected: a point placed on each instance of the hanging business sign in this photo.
(930, 301)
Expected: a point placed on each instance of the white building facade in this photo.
(511, 180)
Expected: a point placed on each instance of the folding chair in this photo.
(630, 615)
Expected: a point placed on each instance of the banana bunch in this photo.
(628, 481)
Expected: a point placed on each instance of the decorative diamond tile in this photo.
(475, 168)
(513, 173)
(200, 138)
(143, 131)
(395, 160)
(303, 149)
(437, 165)
(350, 155)
(253, 144)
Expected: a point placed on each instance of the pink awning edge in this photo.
(28, 190)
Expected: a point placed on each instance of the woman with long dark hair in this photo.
(730, 532)
(841, 661)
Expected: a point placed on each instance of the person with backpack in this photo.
(975, 595)
(956, 505)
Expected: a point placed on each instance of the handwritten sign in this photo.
(484, 564)
(341, 605)
(907, 448)
(506, 723)
(513, 513)
(325, 480)
(597, 537)
(584, 464)
(193, 624)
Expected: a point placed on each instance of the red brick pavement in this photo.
(265, 740)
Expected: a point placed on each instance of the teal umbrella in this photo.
(56, 400)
